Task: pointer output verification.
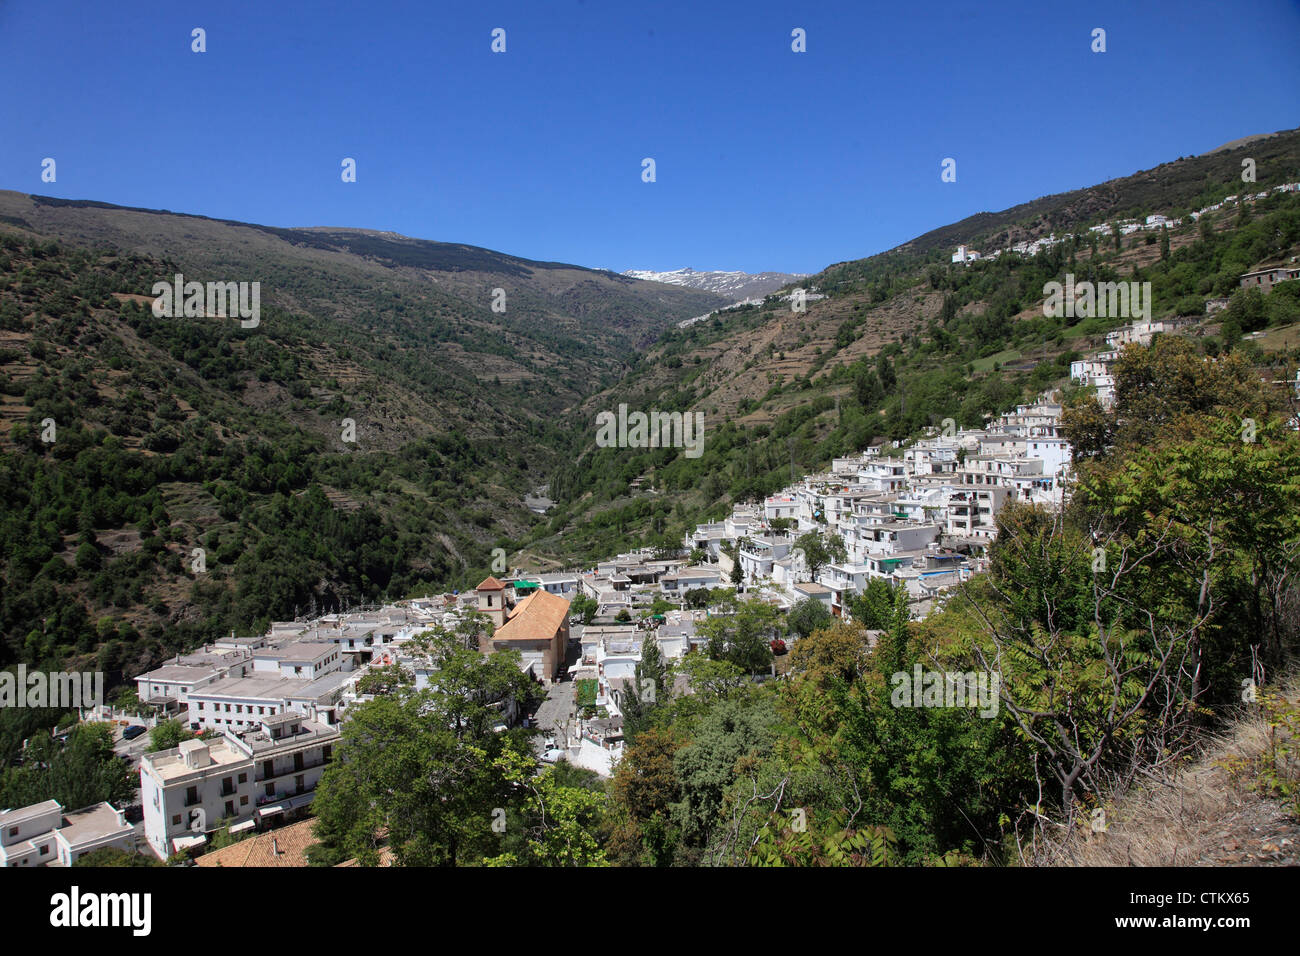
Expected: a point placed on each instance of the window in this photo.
(45, 850)
(191, 796)
(13, 831)
(230, 808)
(200, 705)
(243, 778)
(176, 819)
(243, 801)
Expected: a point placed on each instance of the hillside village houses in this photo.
(919, 520)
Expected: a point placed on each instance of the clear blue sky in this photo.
(766, 159)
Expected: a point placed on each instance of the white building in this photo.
(43, 835)
(236, 780)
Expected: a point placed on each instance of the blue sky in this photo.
(766, 159)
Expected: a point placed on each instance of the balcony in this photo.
(292, 771)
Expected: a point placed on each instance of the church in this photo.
(537, 626)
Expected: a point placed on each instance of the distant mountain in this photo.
(735, 285)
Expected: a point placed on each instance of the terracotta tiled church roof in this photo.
(537, 618)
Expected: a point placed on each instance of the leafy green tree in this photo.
(552, 823)
(734, 730)
(873, 606)
(643, 790)
(404, 776)
(807, 616)
(167, 734)
(743, 638)
(649, 688)
(584, 607)
(696, 598)
(77, 772)
(819, 549)
(113, 856)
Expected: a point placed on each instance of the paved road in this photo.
(555, 709)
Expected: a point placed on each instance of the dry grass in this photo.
(1211, 814)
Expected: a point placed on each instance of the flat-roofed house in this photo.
(43, 835)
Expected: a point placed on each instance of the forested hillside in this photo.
(170, 479)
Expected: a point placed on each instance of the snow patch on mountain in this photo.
(737, 285)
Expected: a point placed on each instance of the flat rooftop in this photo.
(23, 814)
(179, 674)
(168, 766)
(253, 688)
(91, 824)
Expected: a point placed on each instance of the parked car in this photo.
(553, 754)
(135, 730)
(778, 647)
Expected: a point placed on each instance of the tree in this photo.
(712, 679)
(873, 606)
(167, 734)
(584, 607)
(735, 575)
(743, 638)
(1247, 309)
(868, 390)
(736, 730)
(885, 372)
(404, 776)
(837, 652)
(554, 823)
(819, 549)
(113, 856)
(648, 689)
(77, 772)
(807, 616)
(696, 598)
(643, 790)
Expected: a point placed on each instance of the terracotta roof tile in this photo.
(537, 618)
(286, 846)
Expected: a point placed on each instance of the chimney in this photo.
(275, 847)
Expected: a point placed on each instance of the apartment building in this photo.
(236, 780)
